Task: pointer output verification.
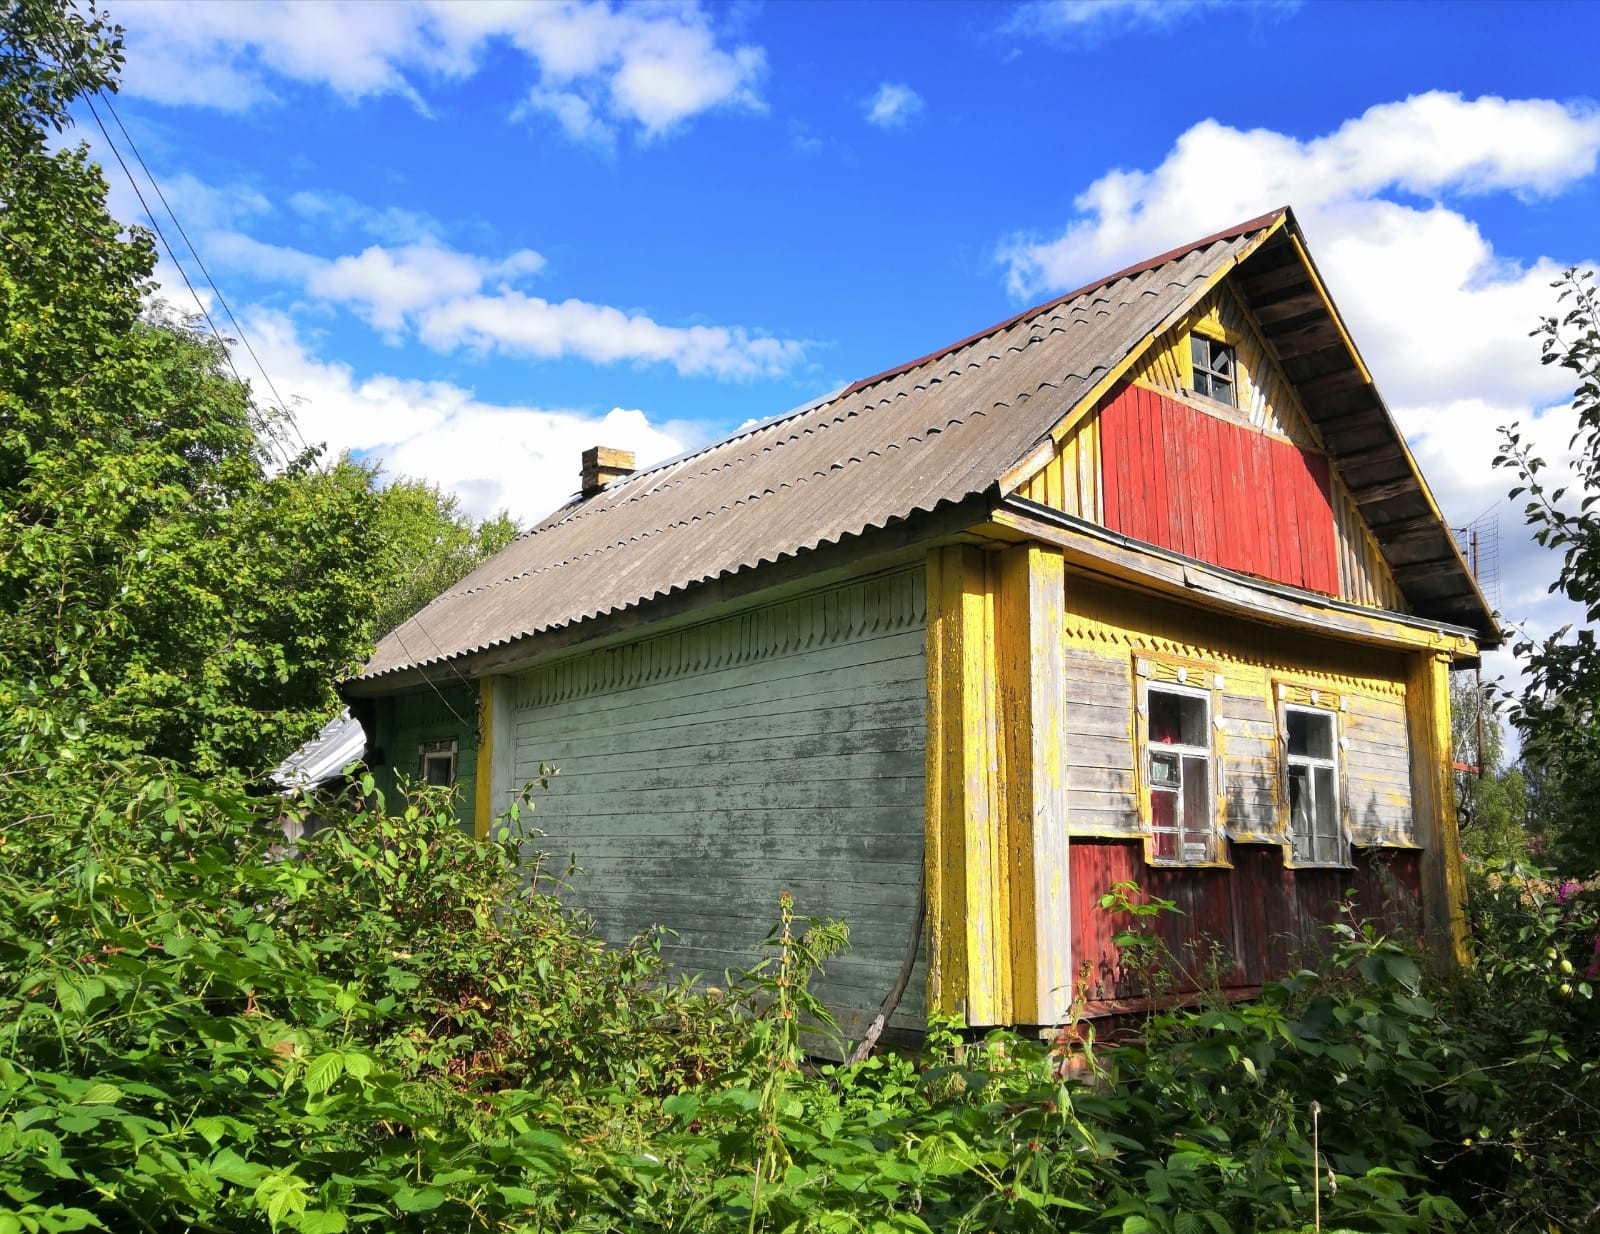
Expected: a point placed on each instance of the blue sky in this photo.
(473, 239)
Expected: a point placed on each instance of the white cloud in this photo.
(453, 300)
(1441, 318)
(391, 224)
(519, 324)
(892, 105)
(524, 459)
(1059, 16)
(1089, 22)
(597, 65)
(387, 285)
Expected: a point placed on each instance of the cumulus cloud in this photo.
(519, 324)
(892, 105)
(494, 456)
(452, 300)
(1441, 318)
(597, 66)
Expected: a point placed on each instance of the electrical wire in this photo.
(283, 406)
(286, 412)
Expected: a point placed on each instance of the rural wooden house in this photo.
(1141, 585)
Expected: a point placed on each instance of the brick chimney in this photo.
(602, 465)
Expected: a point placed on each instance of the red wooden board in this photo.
(1234, 930)
(1222, 492)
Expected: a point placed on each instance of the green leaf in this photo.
(101, 1094)
(418, 1199)
(324, 1072)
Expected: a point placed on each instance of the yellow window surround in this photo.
(1200, 679)
(1300, 693)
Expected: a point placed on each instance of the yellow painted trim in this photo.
(1030, 694)
(1433, 801)
(1119, 370)
(1195, 584)
(483, 788)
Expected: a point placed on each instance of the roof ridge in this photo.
(1141, 267)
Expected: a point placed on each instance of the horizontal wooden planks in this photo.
(691, 797)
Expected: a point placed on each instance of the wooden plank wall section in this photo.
(1215, 490)
(405, 721)
(1234, 930)
(1268, 401)
(704, 771)
(1106, 630)
(1070, 481)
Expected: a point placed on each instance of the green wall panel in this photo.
(703, 772)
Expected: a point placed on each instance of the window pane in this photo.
(1196, 809)
(1178, 719)
(1310, 734)
(1222, 361)
(1164, 845)
(1164, 771)
(1299, 801)
(436, 769)
(1222, 391)
(1200, 353)
(1327, 821)
(1164, 808)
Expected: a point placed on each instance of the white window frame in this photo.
(1208, 752)
(435, 751)
(1340, 840)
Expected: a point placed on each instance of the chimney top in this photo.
(602, 465)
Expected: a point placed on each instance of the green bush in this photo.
(396, 1027)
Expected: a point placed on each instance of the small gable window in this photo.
(1316, 834)
(437, 763)
(1214, 375)
(1178, 774)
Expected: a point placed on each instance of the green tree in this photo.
(1491, 802)
(1558, 714)
(429, 543)
(166, 585)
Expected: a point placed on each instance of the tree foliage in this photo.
(429, 543)
(1491, 802)
(171, 579)
(1558, 714)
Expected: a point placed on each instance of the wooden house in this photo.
(1139, 586)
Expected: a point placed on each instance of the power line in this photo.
(283, 406)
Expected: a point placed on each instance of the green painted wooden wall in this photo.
(405, 721)
(704, 771)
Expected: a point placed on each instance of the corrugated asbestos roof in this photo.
(920, 436)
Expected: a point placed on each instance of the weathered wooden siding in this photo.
(1070, 481)
(405, 721)
(1268, 401)
(703, 772)
(1267, 398)
(1234, 930)
(1216, 490)
(1364, 575)
(1106, 632)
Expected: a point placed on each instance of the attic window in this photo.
(1213, 369)
(437, 763)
